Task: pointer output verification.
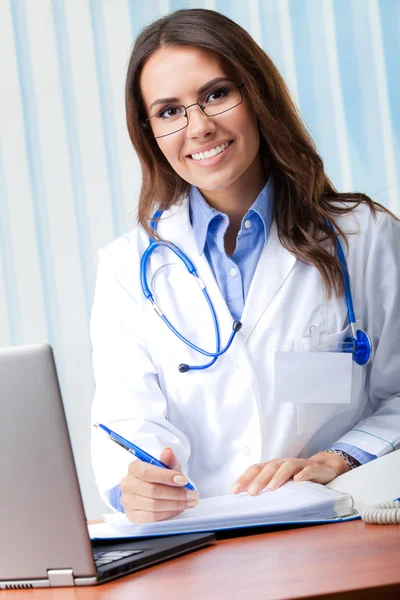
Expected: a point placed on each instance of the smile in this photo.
(213, 156)
(210, 153)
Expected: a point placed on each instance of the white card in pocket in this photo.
(313, 377)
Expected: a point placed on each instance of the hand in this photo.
(151, 493)
(321, 468)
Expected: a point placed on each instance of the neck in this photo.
(236, 199)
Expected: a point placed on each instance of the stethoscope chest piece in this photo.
(361, 347)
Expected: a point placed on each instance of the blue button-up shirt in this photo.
(235, 273)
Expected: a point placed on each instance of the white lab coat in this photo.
(221, 420)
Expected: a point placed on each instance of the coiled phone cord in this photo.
(386, 513)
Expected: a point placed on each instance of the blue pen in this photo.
(135, 450)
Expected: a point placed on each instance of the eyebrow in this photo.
(200, 91)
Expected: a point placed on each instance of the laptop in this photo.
(44, 539)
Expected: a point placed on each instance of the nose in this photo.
(199, 124)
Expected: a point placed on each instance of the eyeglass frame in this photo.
(202, 108)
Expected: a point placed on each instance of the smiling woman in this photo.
(289, 291)
(219, 115)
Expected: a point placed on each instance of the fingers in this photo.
(251, 476)
(168, 457)
(154, 474)
(153, 499)
(139, 516)
(275, 473)
(155, 505)
(317, 473)
(151, 493)
(286, 471)
(155, 490)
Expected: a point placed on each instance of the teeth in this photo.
(212, 152)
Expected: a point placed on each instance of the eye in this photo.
(220, 93)
(166, 113)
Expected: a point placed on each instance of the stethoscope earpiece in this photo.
(237, 326)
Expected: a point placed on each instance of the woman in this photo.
(259, 219)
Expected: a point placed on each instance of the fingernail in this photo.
(273, 484)
(192, 495)
(253, 489)
(192, 503)
(180, 479)
(236, 488)
(298, 477)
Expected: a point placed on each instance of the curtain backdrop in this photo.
(69, 179)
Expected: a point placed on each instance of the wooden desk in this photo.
(347, 560)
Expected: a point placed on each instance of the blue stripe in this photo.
(180, 4)
(74, 153)
(375, 436)
(7, 261)
(35, 169)
(140, 15)
(272, 40)
(390, 19)
(312, 74)
(356, 59)
(107, 116)
(237, 11)
(304, 60)
(351, 90)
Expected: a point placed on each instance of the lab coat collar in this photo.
(273, 268)
(175, 226)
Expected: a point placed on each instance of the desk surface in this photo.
(346, 560)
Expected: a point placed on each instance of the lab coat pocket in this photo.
(317, 379)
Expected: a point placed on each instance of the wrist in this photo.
(331, 460)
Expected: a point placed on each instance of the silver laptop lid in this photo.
(43, 529)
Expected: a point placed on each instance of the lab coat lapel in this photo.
(274, 265)
(177, 229)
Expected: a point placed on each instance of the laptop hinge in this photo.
(60, 577)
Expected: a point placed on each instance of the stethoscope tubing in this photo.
(360, 339)
(346, 279)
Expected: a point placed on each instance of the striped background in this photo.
(69, 178)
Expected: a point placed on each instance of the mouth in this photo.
(211, 159)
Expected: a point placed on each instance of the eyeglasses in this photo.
(173, 118)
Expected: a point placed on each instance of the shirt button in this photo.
(246, 451)
(233, 272)
(247, 224)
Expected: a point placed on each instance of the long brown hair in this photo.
(303, 194)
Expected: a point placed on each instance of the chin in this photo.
(215, 183)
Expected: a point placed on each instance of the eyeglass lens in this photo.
(172, 118)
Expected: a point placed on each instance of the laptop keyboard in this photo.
(105, 558)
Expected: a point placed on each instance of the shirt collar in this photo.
(263, 206)
(201, 213)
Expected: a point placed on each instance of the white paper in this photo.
(295, 501)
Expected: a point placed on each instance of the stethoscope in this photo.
(359, 343)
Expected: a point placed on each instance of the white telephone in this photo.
(373, 487)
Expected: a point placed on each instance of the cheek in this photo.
(249, 126)
(168, 147)
(171, 151)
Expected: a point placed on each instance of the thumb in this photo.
(168, 457)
